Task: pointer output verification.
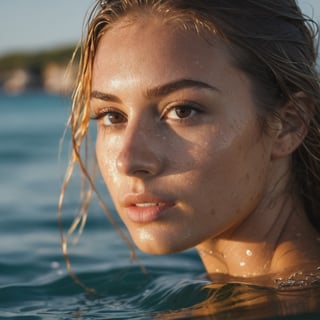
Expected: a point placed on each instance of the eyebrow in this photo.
(104, 96)
(161, 90)
(180, 84)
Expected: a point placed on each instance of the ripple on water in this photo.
(128, 293)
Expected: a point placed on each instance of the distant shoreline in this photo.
(45, 70)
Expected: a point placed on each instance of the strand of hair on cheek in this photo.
(82, 217)
(107, 212)
(102, 204)
(86, 196)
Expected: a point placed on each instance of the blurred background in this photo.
(37, 41)
(38, 37)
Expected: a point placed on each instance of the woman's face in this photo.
(179, 144)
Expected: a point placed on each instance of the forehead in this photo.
(148, 44)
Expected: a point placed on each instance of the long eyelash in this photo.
(192, 106)
(94, 116)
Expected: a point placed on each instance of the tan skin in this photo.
(184, 157)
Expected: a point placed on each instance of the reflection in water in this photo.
(240, 301)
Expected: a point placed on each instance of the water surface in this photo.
(34, 282)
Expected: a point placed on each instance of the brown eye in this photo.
(109, 116)
(181, 112)
(113, 117)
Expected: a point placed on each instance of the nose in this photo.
(140, 153)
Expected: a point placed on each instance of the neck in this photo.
(274, 238)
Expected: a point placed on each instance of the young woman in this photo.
(208, 131)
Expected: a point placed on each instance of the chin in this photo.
(157, 250)
(149, 243)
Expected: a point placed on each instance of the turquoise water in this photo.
(34, 282)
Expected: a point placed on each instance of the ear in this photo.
(291, 126)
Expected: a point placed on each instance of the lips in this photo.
(145, 208)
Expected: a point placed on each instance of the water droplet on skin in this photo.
(242, 264)
(249, 253)
(145, 236)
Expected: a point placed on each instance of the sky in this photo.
(30, 25)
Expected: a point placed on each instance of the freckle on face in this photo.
(213, 212)
(213, 170)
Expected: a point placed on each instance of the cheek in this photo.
(234, 162)
(107, 152)
(214, 149)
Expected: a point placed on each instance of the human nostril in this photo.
(135, 164)
(139, 172)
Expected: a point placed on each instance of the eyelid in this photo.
(96, 115)
(103, 111)
(183, 103)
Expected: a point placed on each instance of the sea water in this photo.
(34, 281)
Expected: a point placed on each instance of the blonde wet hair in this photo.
(271, 41)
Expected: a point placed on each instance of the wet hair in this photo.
(271, 41)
